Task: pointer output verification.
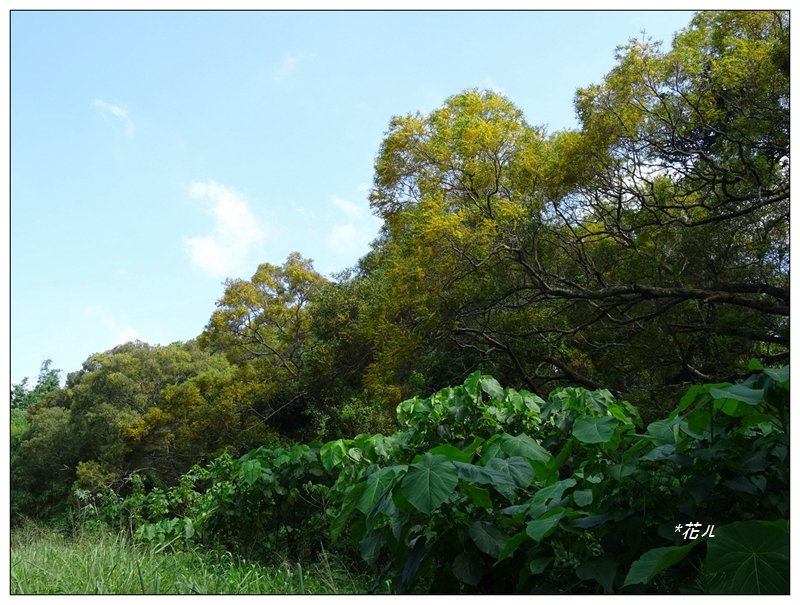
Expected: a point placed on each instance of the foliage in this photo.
(23, 398)
(583, 499)
(137, 407)
(38, 474)
(644, 251)
(266, 504)
(264, 323)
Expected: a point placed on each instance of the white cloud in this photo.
(490, 84)
(120, 334)
(117, 112)
(287, 66)
(343, 238)
(236, 230)
(352, 235)
(350, 209)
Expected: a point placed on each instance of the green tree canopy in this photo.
(645, 250)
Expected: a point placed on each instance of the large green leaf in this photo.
(251, 471)
(370, 547)
(488, 537)
(516, 473)
(429, 482)
(512, 544)
(491, 387)
(660, 453)
(477, 495)
(498, 475)
(451, 452)
(600, 569)
(739, 392)
(590, 429)
(582, 497)
(656, 560)
(540, 528)
(351, 497)
(552, 492)
(475, 473)
(522, 445)
(471, 384)
(662, 432)
(749, 557)
(377, 485)
(332, 454)
(778, 374)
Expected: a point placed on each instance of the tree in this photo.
(678, 217)
(646, 250)
(48, 381)
(266, 317)
(263, 325)
(156, 410)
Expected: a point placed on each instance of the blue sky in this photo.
(154, 154)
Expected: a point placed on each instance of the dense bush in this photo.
(495, 490)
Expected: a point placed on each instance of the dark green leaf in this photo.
(488, 537)
(739, 392)
(700, 486)
(741, 484)
(749, 557)
(656, 560)
(351, 498)
(377, 485)
(468, 567)
(590, 521)
(370, 547)
(511, 545)
(514, 473)
(590, 429)
(451, 453)
(476, 474)
(696, 393)
(698, 422)
(429, 482)
(553, 492)
(539, 564)
(620, 471)
(540, 528)
(600, 569)
(477, 495)
(660, 453)
(490, 449)
(582, 497)
(409, 571)
(523, 446)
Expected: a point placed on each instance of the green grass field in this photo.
(93, 560)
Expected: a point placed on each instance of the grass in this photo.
(93, 560)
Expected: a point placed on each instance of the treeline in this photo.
(642, 252)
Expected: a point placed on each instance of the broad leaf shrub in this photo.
(493, 490)
(266, 504)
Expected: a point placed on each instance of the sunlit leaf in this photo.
(429, 482)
